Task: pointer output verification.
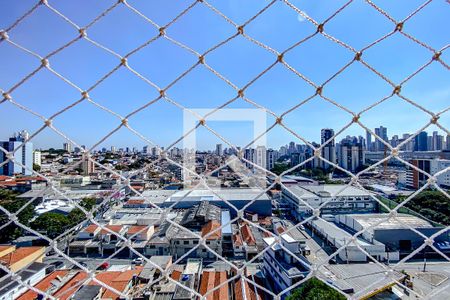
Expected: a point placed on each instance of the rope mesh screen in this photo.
(280, 58)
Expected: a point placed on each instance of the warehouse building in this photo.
(342, 199)
(257, 201)
(395, 233)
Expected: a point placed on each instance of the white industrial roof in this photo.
(367, 220)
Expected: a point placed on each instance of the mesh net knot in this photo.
(13, 218)
(319, 90)
(317, 152)
(316, 212)
(431, 180)
(434, 119)
(9, 155)
(397, 90)
(394, 152)
(201, 59)
(82, 32)
(48, 122)
(45, 63)
(240, 29)
(280, 58)
(162, 31)
(437, 55)
(4, 35)
(125, 122)
(320, 28)
(358, 56)
(399, 26)
(6, 96)
(124, 61)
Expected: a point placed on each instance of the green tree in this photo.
(36, 167)
(9, 202)
(315, 289)
(51, 224)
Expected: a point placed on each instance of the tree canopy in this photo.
(315, 289)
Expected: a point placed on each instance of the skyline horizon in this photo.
(338, 139)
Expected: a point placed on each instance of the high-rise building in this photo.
(37, 158)
(145, 150)
(261, 156)
(270, 159)
(24, 155)
(250, 156)
(421, 141)
(87, 166)
(67, 147)
(113, 149)
(416, 179)
(368, 141)
(219, 150)
(292, 148)
(351, 155)
(329, 150)
(382, 133)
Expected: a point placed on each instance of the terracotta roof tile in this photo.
(115, 228)
(212, 225)
(91, 228)
(43, 285)
(247, 235)
(71, 286)
(137, 228)
(212, 279)
(18, 255)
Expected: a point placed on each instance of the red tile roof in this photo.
(176, 275)
(115, 228)
(91, 228)
(212, 225)
(211, 280)
(71, 286)
(43, 285)
(237, 239)
(18, 254)
(137, 228)
(251, 291)
(247, 235)
(135, 201)
(116, 279)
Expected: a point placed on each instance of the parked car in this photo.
(103, 266)
(138, 261)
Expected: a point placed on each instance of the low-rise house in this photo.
(19, 258)
(283, 268)
(89, 232)
(46, 285)
(212, 279)
(213, 239)
(31, 274)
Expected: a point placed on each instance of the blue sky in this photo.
(121, 30)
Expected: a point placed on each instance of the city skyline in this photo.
(213, 145)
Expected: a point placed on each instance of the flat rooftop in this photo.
(227, 194)
(367, 220)
(331, 190)
(337, 233)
